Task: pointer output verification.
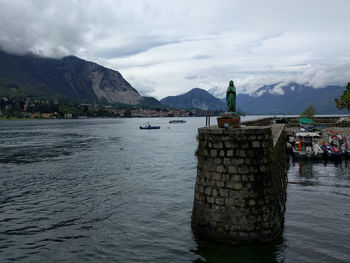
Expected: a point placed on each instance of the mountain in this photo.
(195, 98)
(151, 102)
(289, 99)
(218, 92)
(67, 78)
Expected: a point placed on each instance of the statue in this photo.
(231, 98)
(231, 118)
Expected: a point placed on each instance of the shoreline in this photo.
(271, 116)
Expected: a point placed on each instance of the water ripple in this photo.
(105, 191)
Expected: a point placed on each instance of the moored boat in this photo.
(332, 152)
(336, 147)
(306, 146)
(177, 121)
(149, 127)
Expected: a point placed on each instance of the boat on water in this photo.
(177, 121)
(346, 153)
(306, 146)
(149, 127)
(336, 147)
(332, 152)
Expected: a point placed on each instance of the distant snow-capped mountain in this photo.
(287, 99)
(218, 92)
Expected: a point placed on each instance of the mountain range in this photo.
(72, 78)
(195, 98)
(274, 99)
(290, 99)
(67, 78)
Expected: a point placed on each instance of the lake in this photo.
(102, 190)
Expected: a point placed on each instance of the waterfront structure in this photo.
(241, 182)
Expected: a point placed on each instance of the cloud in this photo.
(320, 76)
(143, 87)
(199, 56)
(317, 76)
(277, 89)
(191, 76)
(133, 47)
(167, 48)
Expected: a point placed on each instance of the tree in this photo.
(127, 113)
(308, 112)
(344, 101)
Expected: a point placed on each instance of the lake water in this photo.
(102, 190)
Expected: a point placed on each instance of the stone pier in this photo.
(241, 183)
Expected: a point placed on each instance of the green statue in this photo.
(231, 98)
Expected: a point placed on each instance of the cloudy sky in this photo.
(169, 47)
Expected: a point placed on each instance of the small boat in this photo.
(332, 152)
(306, 146)
(346, 153)
(336, 147)
(177, 121)
(345, 147)
(149, 127)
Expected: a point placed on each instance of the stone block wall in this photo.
(328, 121)
(259, 122)
(241, 183)
(325, 120)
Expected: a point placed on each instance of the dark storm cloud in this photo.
(191, 76)
(254, 42)
(44, 27)
(134, 47)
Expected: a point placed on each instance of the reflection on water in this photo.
(316, 220)
(326, 174)
(217, 252)
(22, 151)
(317, 213)
(105, 191)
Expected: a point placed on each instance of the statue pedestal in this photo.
(232, 121)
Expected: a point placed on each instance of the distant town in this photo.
(31, 108)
